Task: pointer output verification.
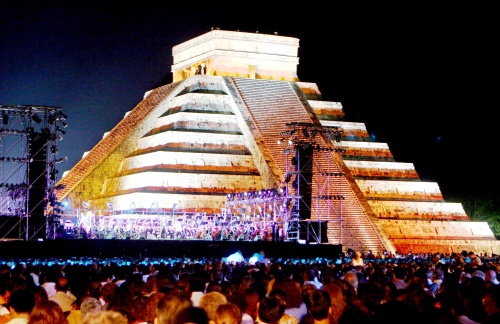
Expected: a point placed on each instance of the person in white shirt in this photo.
(357, 260)
(197, 284)
(49, 279)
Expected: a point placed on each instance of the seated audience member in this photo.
(295, 305)
(491, 304)
(168, 307)
(138, 310)
(107, 293)
(252, 297)
(465, 278)
(399, 277)
(310, 276)
(371, 294)
(478, 283)
(213, 286)
(240, 300)
(475, 262)
(192, 315)
(4, 299)
(61, 296)
(319, 306)
(90, 305)
(352, 278)
(150, 306)
(437, 279)
(105, 317)
(95, 290)
(40, 293)
(453, 301)
(338, 301)
(357, 260)
(210, 301)
(307, 290)
(490, 277)
(75, 314)
(197, 284)
(228, 314)
(270, 310)
(281, 296)
(126, 312)
(47, 312)
(21, 303)
(49, 279)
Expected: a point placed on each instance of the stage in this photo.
(68, 248)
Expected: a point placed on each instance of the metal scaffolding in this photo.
(28, 156)
(312, 195)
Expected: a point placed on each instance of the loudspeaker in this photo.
(313, 231)
(38, 185)
(302, 183)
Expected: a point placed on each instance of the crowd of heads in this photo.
(350, 288)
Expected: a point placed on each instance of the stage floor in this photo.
(68, 248)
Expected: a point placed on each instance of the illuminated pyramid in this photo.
(237, 121)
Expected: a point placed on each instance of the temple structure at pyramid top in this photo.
(237, 54)
(237, 148)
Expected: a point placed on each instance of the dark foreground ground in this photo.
(67, 248)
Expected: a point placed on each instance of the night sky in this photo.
(422, 78)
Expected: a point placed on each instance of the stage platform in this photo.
(67, 248)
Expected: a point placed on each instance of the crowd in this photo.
(351, 288)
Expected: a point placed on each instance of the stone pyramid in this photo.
(237, 140)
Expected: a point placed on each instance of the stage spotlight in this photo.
(52, 119)
(63, 159)
(62, 116)
(60, 130)
(36, 118)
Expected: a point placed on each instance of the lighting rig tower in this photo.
(309, 169)
(29, 135)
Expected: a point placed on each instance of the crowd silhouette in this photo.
(351, 288)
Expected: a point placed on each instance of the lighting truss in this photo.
(28, 153)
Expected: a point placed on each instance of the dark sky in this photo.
(422, 78)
